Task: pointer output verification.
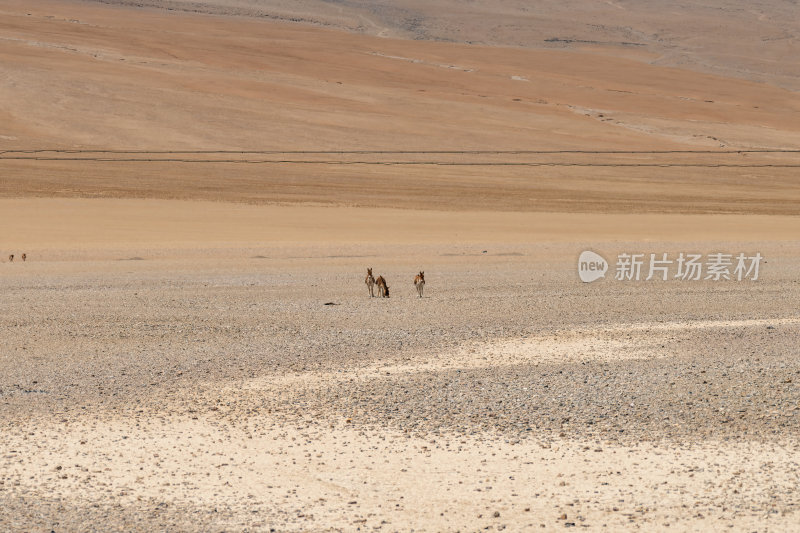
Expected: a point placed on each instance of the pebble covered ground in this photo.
(216, 390)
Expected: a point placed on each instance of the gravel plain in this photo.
(163, 369)
(216, 390)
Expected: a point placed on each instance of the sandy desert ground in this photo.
(198, 381)
(190, 345)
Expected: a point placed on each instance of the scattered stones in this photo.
(249, 351)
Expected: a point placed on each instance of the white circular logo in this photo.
(591, 266)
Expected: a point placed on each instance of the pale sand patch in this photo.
(102, 223)
(607, 344)
(620, 342)
(343, 477)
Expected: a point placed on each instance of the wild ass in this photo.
(370, 281)
(383, 288)
(419, 282)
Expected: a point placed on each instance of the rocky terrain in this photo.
(199, 187)
(228, 393)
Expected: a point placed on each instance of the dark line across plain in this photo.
(401, 163)
(401, 152)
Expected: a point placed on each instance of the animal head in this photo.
(369, 271)
(422, 275)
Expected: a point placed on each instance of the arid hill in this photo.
(176, 96)
(758, 41)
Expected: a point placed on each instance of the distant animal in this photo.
(11, 258)
(383, 288)
(24, 257)
(370, 281)
(419, 282)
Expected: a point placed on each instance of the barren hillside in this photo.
(176, 96)
(751, 40)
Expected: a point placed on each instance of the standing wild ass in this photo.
(370, 281)
(383, 288)
(419, 282)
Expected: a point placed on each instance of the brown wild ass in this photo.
(419, 282)
(370, 281)
(383, 288)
